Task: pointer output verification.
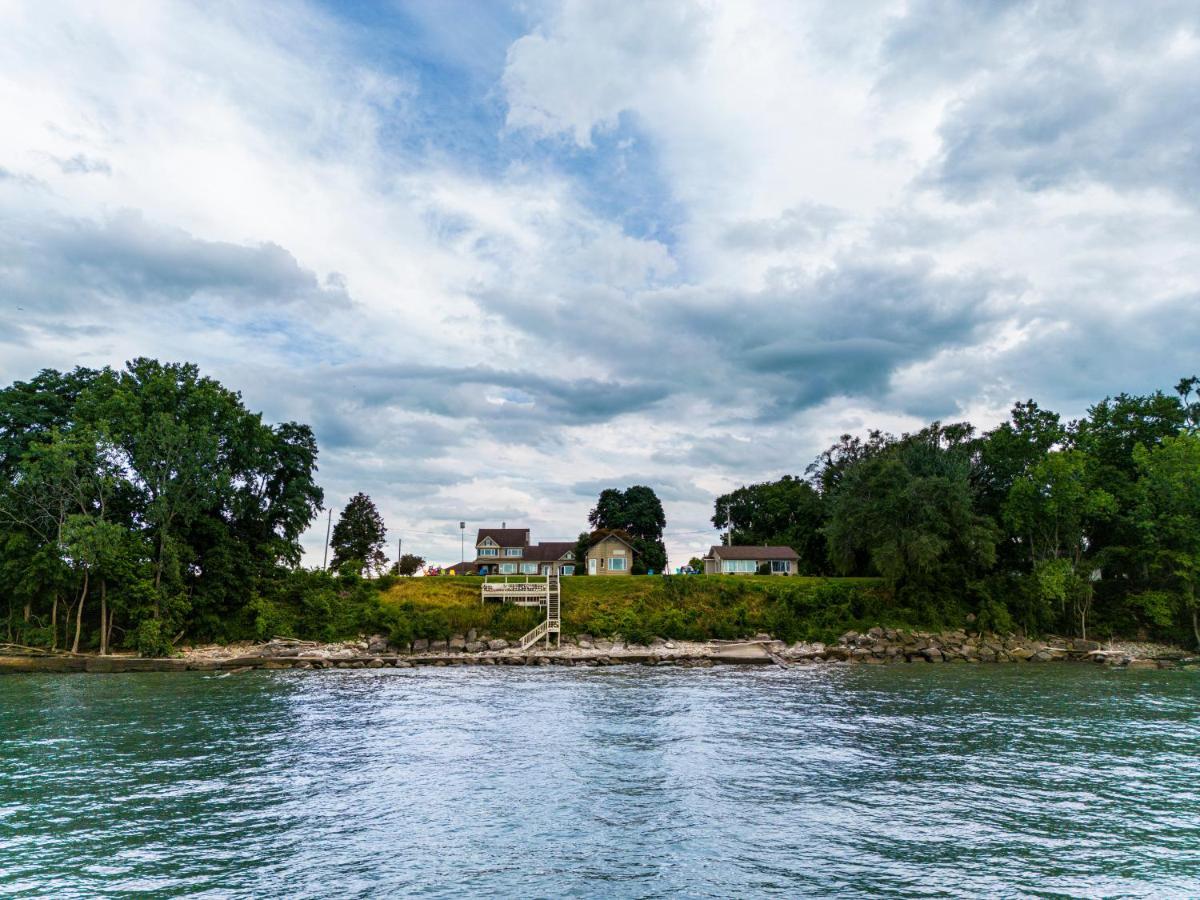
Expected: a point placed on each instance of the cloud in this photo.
(125, 259)
(573, 245)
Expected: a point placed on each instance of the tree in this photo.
(638, 512)
(788, 512)
(1051, 510)
(1169, 516)
(154, 487)
(358, 537)
(582, 545)
(409, 564)
(908, 511)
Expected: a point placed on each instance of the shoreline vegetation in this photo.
(145, 509)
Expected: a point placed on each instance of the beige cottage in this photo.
(611, 555)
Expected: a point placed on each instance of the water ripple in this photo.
(835, 781)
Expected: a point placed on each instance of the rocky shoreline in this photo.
(878, 646)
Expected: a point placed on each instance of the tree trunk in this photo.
(79, 612)
(28, 611)
(103, 617)
(54, 624)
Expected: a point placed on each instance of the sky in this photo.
(501, 256)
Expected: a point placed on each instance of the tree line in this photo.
(1088, 527)
(139, 504)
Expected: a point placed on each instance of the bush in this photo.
(149, 639)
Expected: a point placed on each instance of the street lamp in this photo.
(462, 541)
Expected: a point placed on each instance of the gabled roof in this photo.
(505, 537)
(751, 552)
(549, 551)
(615, 536)
(462, 567)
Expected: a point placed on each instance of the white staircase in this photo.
(552, 623)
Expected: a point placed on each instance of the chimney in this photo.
(503, 524)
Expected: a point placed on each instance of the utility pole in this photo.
(462, 541)
(328, 528)
(399, 552)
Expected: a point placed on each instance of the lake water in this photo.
(934, 780)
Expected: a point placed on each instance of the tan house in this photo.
(507, 551)
(751, 560)
(611, 555)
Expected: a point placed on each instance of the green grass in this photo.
(697, 607)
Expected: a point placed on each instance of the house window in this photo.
(488, 551)
(738, 565)
(513, 551)
(779, 565)
(568, 570)
(617, 565)
(617, 551)
(528, 568)
(508, 568)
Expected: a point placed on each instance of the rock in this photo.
(377, 643)
(933, 654)
(497, 644)
(1019, 653)
(475, 646)
(472, 635)
(376, 663)
(670, 645)
(420, 644)
(438, 645)
(601, 644)
(848, 637)
(585, 645)
(584, 637)
(876, 633)
(1085, 646)
(458, 642)
(276, 664)
(1142, 664)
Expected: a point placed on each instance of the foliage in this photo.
(789, 512)
(152, 487)
(358, 537)
(408, 565)
(638, 512)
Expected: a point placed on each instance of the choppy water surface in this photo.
(940, 781)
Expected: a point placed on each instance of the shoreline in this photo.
(876, 647)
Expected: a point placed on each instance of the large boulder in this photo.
(420, 644)
(933, 654)
(377, 643)
(497, 644)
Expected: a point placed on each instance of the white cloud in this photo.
(685, 243)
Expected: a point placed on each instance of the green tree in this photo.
(1051, 509)
(582, 545)
(638, 512)
(908, 510)
(1169, 516)
(409, 564)
(358, 537)
(788, 512)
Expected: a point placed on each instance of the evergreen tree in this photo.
(358, 537)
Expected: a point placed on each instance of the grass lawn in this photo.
(641, 607)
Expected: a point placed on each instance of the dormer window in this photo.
(488, 551)
(513, 551)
